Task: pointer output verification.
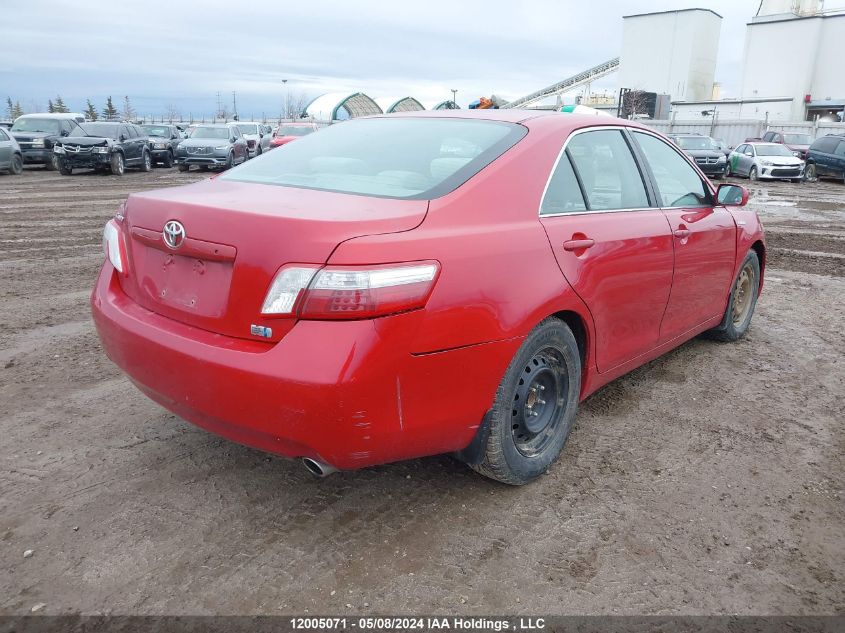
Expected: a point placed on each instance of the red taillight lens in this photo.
(114, 246)
(350, 292)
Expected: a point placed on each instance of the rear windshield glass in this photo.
(248, 128)
(50, 126)
(105, 130)
(412, 158)
(797, 139)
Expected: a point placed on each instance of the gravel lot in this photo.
(709, 481)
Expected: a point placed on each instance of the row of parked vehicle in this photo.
(67, 141)
(775, 156)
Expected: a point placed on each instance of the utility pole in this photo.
(454, 96)
(287, 99)
(219, 106)
(235, 105)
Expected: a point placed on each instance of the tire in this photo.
(52, 164)
(183, 168)
(728, 172)
(16, 166)
(146, 161)
(811, 174)
(737, 317)
(752, 173)
(168, 160)
(230, 160)
(523, 440)
(118, 166)
(65, 169)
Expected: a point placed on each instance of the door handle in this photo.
(681, 233)
(575, 245)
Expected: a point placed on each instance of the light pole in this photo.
(287, 100)
(454, 96)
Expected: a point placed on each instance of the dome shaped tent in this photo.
(339, 106)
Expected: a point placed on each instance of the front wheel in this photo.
(183, 167)
(117, 164)
(230, 160)
(811, 174)
(741, 303)
(52, 164)
(65, 169)
(168, 159)
(534, 407)
(146, 162)
(16, 168)
(752, 175)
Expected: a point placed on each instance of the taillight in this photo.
(114, 246)
(350, 292)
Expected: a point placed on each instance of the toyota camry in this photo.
(424, 283)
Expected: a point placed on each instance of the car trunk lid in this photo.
(236, 237)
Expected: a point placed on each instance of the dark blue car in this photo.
(826, 157)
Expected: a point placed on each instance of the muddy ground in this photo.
(709, 481)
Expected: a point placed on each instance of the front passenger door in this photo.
(613, 248)
(704, 239)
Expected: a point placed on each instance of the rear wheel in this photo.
(117, 164)
(535, 406)
(811, 174)
(752, 175)
(146, 162)
(741, 304)
(16, 166)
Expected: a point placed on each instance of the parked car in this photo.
(288, 132)
(798, 144)
(711, 160)
(105, 146)
(826, 157)
(722, 145)
(6, 124)
(11, 159)
(164, 139)
(212, 145)
(256, 137)
(37, 133)
(765, 161)
(363, 297)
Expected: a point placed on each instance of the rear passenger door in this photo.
(5, 150)
(612, 246)
(839, 160)
(704, 238)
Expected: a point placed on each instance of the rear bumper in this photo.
(346, 393)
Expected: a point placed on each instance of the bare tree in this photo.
(172, 112)
(128, 113)
(293, 105)
(635, 103)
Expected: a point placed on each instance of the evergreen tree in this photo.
(59, 105)
(18, 110)
(9, 107)
(50, 106)
(128, 110)
(110, 112)
(90, 111)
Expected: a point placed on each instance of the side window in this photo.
(740, 149)
(3, 135)
(677, 182)
(840, 149)
(749, 150)
(607, 171)
(563, 194)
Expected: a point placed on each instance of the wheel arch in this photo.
(760, 248)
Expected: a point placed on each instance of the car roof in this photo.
(509, 115)
(49, 115)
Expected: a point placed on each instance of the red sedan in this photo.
(288, 132)
(424, 283)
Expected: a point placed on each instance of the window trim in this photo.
(650, 195)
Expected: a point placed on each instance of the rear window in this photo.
(826, 144)
(294, 130)
(410, 158)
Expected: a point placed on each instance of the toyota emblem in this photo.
(174, 234)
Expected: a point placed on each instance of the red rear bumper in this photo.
(347, 393)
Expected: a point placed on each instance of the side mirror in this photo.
(233, 140)
(123, 137)
(64, 133)
(732, 195)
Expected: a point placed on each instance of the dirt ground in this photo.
(708, 482)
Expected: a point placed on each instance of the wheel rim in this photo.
(17, 165)
(147, 161)
(743, 295)
(539, 402)
(753, 174)
(811, 172)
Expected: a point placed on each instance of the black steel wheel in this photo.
(534, 408)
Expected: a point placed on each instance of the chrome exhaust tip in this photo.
(318, 469)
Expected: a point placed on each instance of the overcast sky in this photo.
(185, 52)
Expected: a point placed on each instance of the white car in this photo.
(769, 161)
(257, 138)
